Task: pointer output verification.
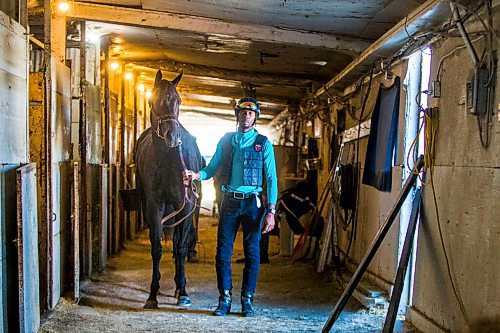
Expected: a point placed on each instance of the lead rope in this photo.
(187, 184)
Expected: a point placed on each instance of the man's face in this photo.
(246, 120)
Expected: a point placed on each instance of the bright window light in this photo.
(92, 37)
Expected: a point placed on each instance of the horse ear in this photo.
(175, 81)
(158, 78)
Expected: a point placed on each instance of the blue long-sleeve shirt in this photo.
(244, 140)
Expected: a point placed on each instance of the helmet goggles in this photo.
(248, 105)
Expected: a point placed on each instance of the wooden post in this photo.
(122, 216)
(106, 145)
(46, 228)
(86, 239)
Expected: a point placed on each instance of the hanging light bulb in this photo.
(128, 75)
(114, 65)
(140, 87)
(63, 6)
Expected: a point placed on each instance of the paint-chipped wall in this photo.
(374, 206)
(467, 184)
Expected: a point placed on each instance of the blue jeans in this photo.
(232, 213)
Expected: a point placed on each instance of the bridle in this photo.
(168, 119)
(189, 185)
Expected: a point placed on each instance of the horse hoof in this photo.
(183, 301)
(177, 293)
(151, 304)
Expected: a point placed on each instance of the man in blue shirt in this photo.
(245, 160)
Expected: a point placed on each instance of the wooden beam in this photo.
(234, 93)
(191, 100)
(228, 107)
(37, 42)
(229, 115)
(210, 26)
(229, 74)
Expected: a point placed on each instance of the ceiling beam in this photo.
(424, 18)
(210, 26)
(229, 115)
(233, 93)
(229, 107)
(228, 74)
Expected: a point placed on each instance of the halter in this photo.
(166, 119)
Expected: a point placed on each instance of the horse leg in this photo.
(155, 231)
(181, 234)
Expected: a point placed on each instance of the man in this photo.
(244, 159)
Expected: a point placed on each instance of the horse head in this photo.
(164, 103)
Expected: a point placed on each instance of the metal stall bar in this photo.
(403, 265)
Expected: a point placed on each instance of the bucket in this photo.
(131, 199)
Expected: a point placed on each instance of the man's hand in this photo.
(268, 223)
(189, 174)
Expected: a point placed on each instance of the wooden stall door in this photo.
(27, 249)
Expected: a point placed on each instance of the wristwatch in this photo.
(271, 210)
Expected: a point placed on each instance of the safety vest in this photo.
(253, 161)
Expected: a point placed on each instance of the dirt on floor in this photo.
(290, 297)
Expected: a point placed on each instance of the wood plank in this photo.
(13, 44)
(75, 232)
(13, 113)
(203, 25)
(27, 247)
(228, 74)
(104, 207)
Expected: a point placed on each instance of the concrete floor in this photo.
(290, 297)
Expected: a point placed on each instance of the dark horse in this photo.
(163, 151)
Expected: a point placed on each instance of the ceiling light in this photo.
(63, 6)
(129, 75)
(319, 63)
(148, 94)
(114, 65)
(140, 87)
(117, 40)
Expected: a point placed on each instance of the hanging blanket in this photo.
(383, 137)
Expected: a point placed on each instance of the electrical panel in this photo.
(436, 89)
(477, 91)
